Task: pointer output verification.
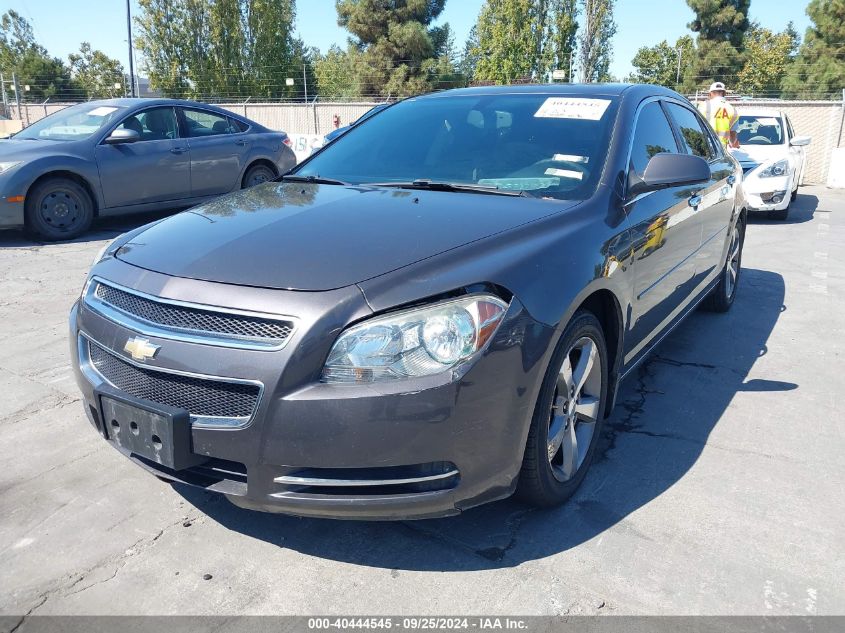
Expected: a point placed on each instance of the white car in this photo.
(772, 160)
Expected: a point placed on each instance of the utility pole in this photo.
(678, 75)
(129, 39)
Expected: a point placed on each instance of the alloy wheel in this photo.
(732, 268)
(575, 409)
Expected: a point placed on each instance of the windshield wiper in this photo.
(434, 185)
(313, 179)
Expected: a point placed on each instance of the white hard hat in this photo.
(717, 85)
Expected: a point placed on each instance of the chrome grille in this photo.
(201, 397)
(194, 319)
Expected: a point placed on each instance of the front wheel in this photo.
(568, 416)
(58, 209)
(722, 297)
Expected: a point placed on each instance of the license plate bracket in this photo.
(156, 432)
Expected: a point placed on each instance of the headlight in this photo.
(775, 169)
(8, 165)
(412, 343)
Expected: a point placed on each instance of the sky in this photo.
(61, 25)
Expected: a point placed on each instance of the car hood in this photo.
(760, 153)
(321, 237)
(23, 149)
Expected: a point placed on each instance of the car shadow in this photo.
(101, 229)
(802, 209)
(654, 436)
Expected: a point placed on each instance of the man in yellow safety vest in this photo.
(720, 114)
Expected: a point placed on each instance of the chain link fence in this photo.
(824, 121)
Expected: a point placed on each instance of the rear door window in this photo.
(203, 123)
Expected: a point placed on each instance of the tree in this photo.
(471, 55)
(518, 39)
(595, 40)
(337, 73)
(221, 48)
(819, 69)
(659, 64)
(395, 40)
(768, 55)
(95, 73)
(22, 56)
(721, 27)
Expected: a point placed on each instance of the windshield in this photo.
(72, 124)
(550, 146)
(759, 130)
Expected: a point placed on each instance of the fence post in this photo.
(314, 111)
(18, 97)
(5, 100)
(45, 105)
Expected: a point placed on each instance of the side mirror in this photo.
(121, 136)
(800, 141)
(672, 170)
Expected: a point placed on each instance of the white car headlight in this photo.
(8, 165)
(416, 342)
(779, 168)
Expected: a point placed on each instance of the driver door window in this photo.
(155, 124)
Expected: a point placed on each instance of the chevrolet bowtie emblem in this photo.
(140, 348)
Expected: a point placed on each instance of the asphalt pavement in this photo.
(719, 489)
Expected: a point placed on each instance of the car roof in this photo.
(132, 102)
(769, 112)
(568, 89)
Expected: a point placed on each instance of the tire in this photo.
(545, 481)
(721, 298)
(58, 209)
(257, 174)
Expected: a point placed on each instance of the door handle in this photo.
(178, 150)
(694, 201)
(241, 142)
(731, 179)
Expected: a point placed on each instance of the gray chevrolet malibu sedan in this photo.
(433, 312)
(105, 158)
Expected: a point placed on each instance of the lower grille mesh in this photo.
(198, 396)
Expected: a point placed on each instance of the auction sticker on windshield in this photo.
(101, 111)
(572, 108)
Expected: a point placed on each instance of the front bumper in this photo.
(415, 432)
(767, 194)
(11, 214)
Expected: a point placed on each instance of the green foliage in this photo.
(221, 48)
(721, 27)
(396, 49)
(767, 57)
(659, 64)
(819, 69)
(96, 74)
(595, 40)
(23, 57)
(519, 39)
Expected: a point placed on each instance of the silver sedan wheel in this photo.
(258, 175)
(575, 408)
(732, 269)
